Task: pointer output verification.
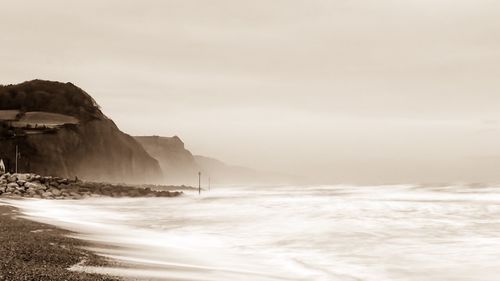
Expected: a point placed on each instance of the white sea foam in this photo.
(402, 232)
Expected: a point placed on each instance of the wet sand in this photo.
(36, 251)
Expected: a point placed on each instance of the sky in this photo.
(373, 91)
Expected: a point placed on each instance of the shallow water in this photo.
(376, 233)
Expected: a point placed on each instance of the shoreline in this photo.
(83, 259)
(37, 251)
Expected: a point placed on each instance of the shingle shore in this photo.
(32, 251)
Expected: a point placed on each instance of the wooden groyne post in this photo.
(199, 182)
(17, 156)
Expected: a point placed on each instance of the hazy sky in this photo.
(338, 90)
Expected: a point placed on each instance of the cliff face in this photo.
(180, 166)
(77, 141)
(177, 163)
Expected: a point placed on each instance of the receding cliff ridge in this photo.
(177, 163)
(231, 174)
(180, 166)
(60, 130)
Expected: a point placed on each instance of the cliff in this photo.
(180, 166)
(61, 131)
(177, 163)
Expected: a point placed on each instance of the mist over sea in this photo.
(399, 232)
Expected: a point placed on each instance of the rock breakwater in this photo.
(46, 187)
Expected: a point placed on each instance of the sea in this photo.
(373, 233)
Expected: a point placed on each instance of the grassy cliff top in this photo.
(49, 96)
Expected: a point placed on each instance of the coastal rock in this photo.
(76, 196)
(12, 186)
(45, 180)
(12, 179)
(35, 186)
(134, 193)
(55, 191)
(83, 189)
(31, 193)
(62, 181)
(47, 195)
(23, 177)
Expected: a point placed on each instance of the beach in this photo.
(34, 251)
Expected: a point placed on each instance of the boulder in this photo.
(31, 192)
(21, 182)
(107, 193)
(12, 179)
(23, 177)
(134, 193)
(12, 186)
(75, 196)
(32, 185)
(55, 191)
(47, 194)
(84, 189)
(62, 181)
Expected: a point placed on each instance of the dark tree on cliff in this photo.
(56, 97)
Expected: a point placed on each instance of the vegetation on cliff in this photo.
(92, 147)
(50, 96)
